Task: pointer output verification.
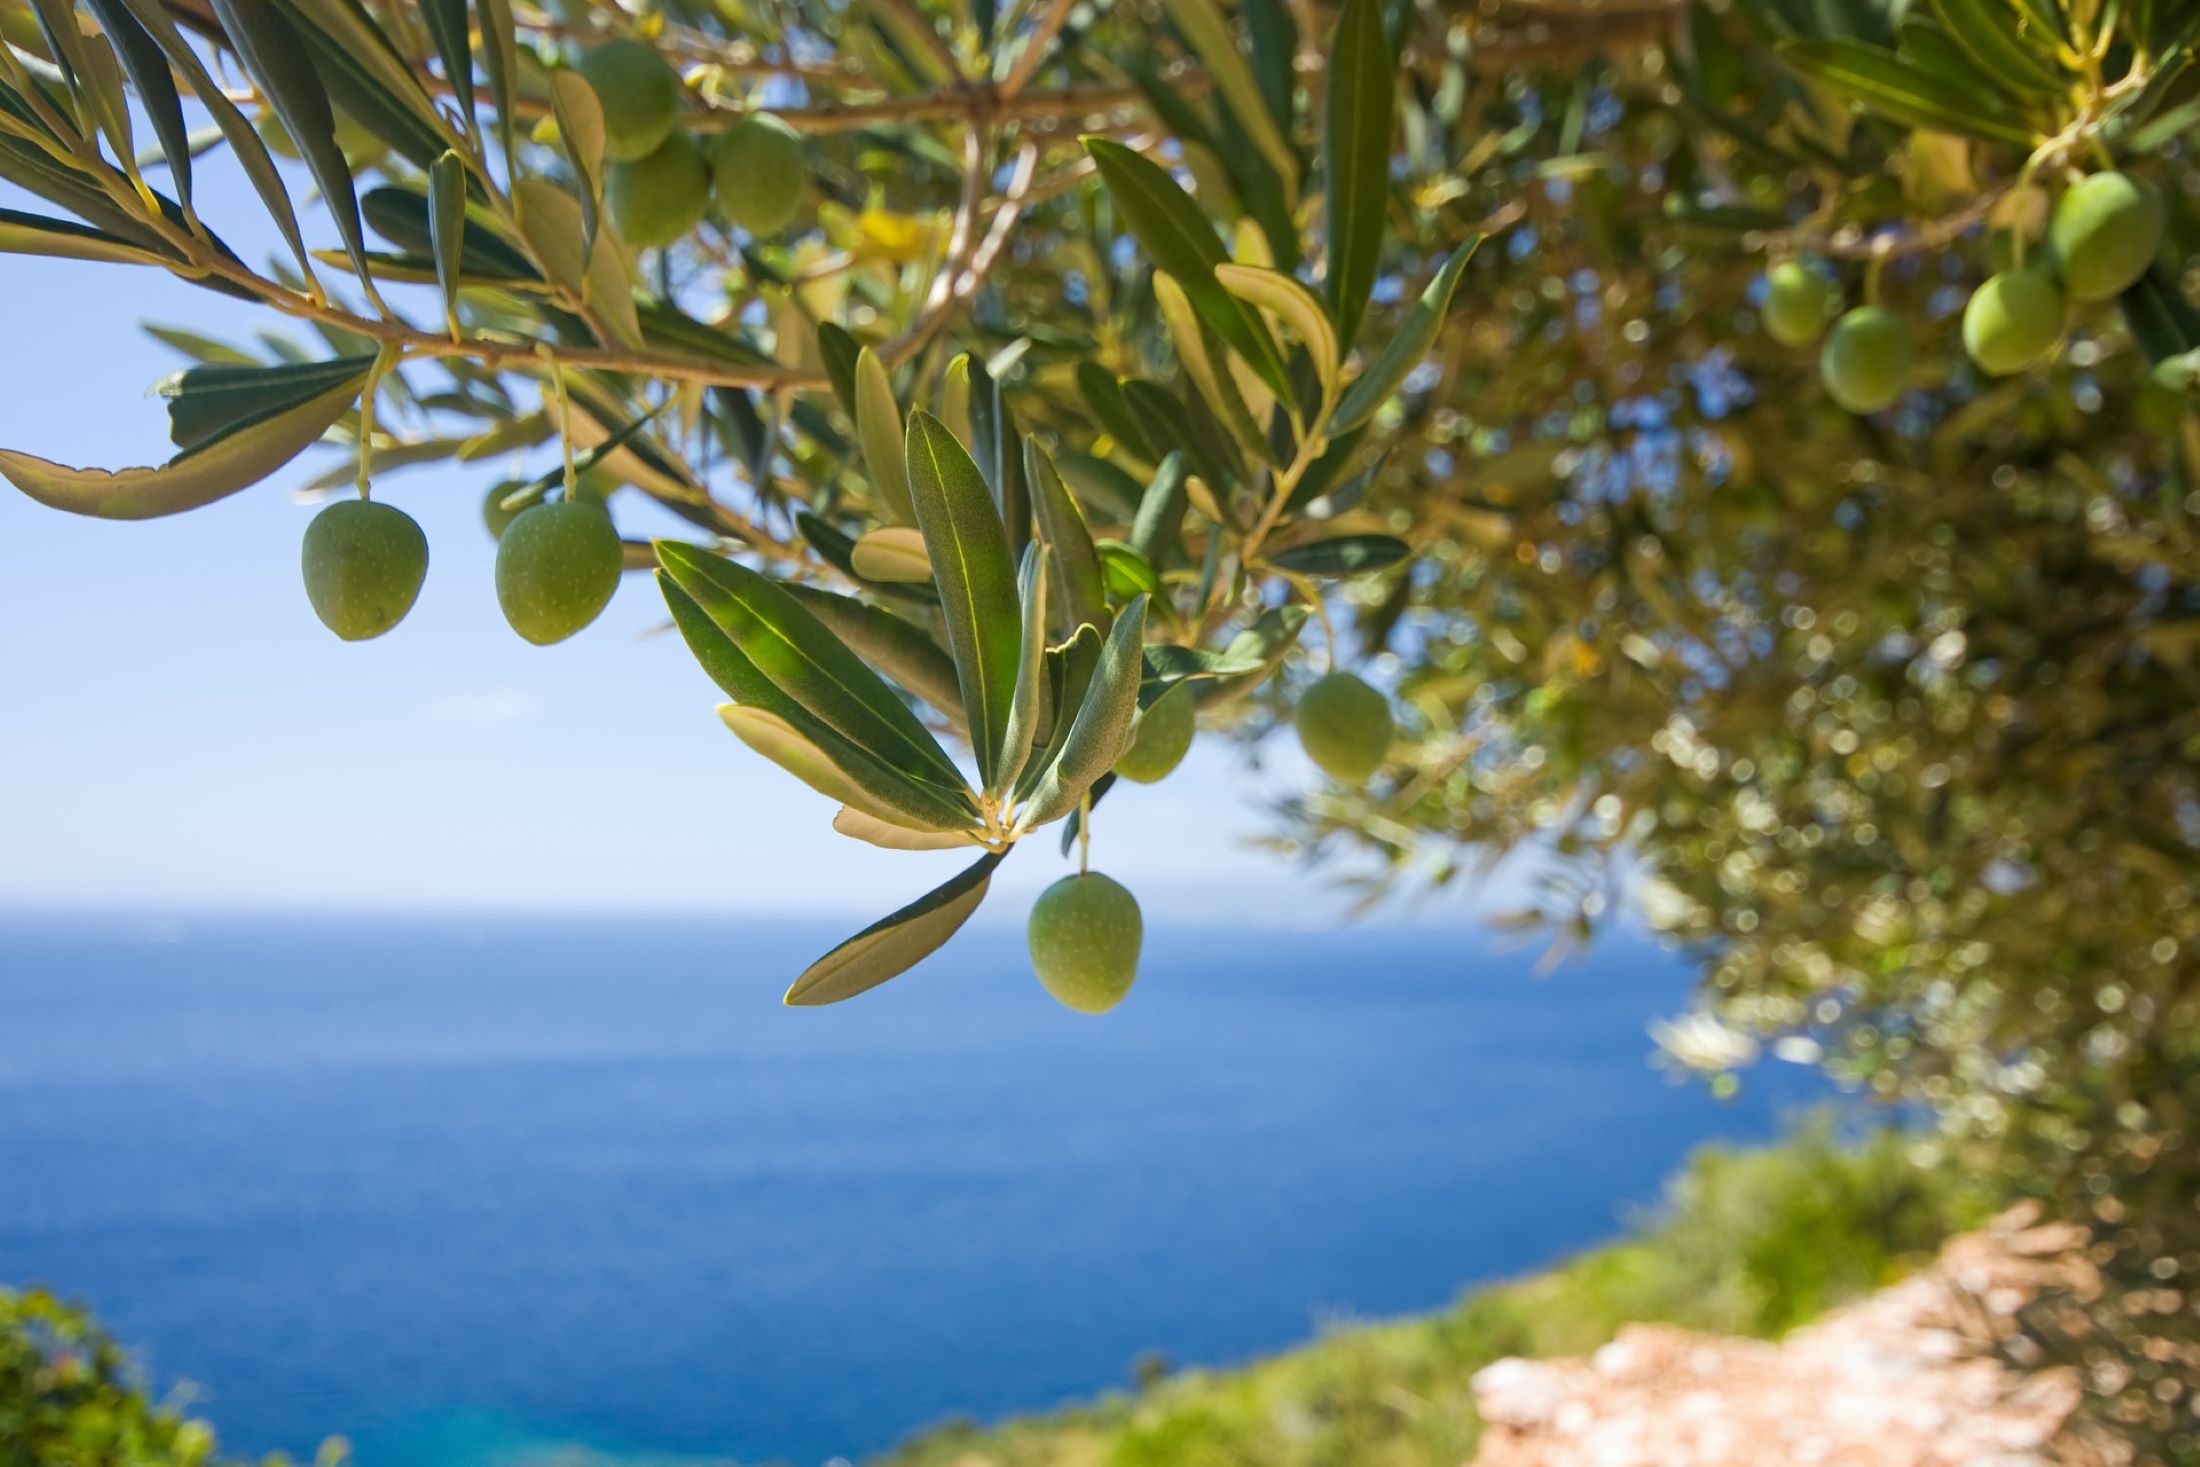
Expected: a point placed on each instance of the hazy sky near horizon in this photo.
(179, 731)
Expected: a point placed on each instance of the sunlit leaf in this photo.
(892, 946)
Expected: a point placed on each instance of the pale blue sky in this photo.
(178, 730)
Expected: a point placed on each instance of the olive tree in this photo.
(1743, 450)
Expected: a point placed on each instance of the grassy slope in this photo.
(1746, 1242)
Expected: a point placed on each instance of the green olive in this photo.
(1867, 359)
(656, 200)
(1085, 933)
(640, 96)
(1164, 734)
(363, 563)
(759, 173)
(2104, 233)
(493, 513)
(1345, 727)
(557, 565)
(2014, 321)
(1798, 303)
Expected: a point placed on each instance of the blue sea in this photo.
(494, 1192)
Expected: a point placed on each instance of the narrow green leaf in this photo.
(997, 448)
(220, 466)
(1363, 89)
(795, 747)
(1068, 673)
(896, 554)
(1102, 728)
(244, 141)
(879, 431)
(839, 351)
(1126, 572)
(810, 665)
(858, 824)
(1202, 25)
(1892, 87)
(884, 792)
(579, 114)
(1345, 555)
(890, 947)
(1080, 592)
(976, 579)
(500, 59)
(275, 55)
(447, 230)
(1988, 31)
(1103, 394)
(1181, 240)
(1212, 382)
(1157, 533)
(447, 26)
(156, 88)
(1294, 305)
(903, 652)
(1275, 45)
(1265, 643)
(552, 220)
(1408, 344)
(205, 402)
(405, 217)
(65, 239)
(1025, 706)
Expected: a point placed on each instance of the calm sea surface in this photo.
(479, 1193)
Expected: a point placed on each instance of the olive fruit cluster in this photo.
(558, 564)
(2102, 236)
(661, 181)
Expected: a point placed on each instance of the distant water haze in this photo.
(489, 1192)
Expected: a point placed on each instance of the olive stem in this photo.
(385, 361)
(1084, 834)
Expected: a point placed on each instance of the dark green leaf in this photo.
(246, 453)
(1265, 643)
(1363, 86)
(1027, 705)
(1103, 394)
(1180, 240)
(206, 402)
(838, 351)
(1892, 87)
(65, 239)
(447, 230)
(1408, 344)
(148, 70)
(1080, 592)
(448, 27)
(811, 666)
(1988, 32)
(1102, 727)
(274, 52)
(1346, 555)
(975, 576)
(500, 59)
(890, 947)
(900, 650)
(1157, 533)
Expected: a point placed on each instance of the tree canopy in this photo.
(1746, 451)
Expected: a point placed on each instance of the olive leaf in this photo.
(553, 222)
(1987, 30)
(879, 431)
(406, 218)
(447, 231)
(579, 114)
(1101, 729)
(896, 553)
(147, 66)
(1126, 572)
(274, 53)
(209, 400)
(1345, 555)
(1295, 306)
(895, 944)
(1363, 86)
(1182, 241)
(850, 773)
(65, 239)
(859, 825)
(1201, 23)
(1081, 592)
(1408, 344)
(1103, 394)
(1157, 532)
(995, 447)
(903, 652)
(1265, 644)
(976, 580)
(1882, 81)
(447, 26)
(500, 59)
(810, 665)
(237, 458)
(839, 352)
(1216, 385)
(1026, 706)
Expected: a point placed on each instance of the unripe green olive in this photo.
(2104, 233)
(1164, 734)
(493, 513)
(1798, 303)
(2014, 321)
(1345, 727)
(1085, 933)
(363, 563)
(557, 565)
(640, 95)
(656, 200)
(758, 173)
(1867, 359)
